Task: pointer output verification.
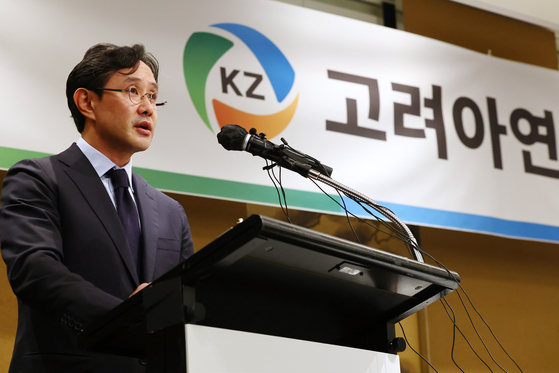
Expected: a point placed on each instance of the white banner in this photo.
(442, 135)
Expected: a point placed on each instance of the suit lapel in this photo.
(149, 217)
(82, 173)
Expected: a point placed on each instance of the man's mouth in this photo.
(144, 127)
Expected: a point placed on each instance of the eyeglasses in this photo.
(136, 98)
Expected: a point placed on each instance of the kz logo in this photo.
(239, 94)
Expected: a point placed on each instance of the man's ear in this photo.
(83, 99)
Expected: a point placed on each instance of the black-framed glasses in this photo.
(136, 98)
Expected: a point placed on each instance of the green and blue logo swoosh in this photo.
(202, 52)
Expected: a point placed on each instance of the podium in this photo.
(278, 281)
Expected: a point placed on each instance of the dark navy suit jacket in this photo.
(68, 260)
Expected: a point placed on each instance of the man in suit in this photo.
(70, 255)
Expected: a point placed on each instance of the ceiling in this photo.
(544, 13)
(539, 12)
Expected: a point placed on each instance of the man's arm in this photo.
(187, 246)
(31, 236)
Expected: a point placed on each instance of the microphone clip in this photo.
(284, 155)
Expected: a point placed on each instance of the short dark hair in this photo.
(98, 65)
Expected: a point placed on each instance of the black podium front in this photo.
(268, 277)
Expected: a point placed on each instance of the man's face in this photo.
(121, 128)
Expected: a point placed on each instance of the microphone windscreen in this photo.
(232, 137)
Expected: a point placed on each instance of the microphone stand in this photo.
(357, 196)
(234, 137)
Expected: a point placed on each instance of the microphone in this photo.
(234, 137)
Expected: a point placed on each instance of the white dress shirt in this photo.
(102, 164)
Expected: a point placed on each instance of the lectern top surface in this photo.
(269, 277)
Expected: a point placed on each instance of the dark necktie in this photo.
(127, 211)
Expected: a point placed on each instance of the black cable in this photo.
(410, 346)
(286, 212)
(402, 234)
(469, 317)
(477, 332)
(453, 338)
(357, 217)
(272, 176)
(490, 330)
(399, 234)
(453, 320)
(405, 238)
(381, 209)
(344, 207)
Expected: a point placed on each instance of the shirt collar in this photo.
(100, 162)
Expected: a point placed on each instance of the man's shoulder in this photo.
(44, 170)
(30, 178)
(32, 166)
(66, 156)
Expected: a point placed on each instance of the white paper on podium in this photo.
(227, 351)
